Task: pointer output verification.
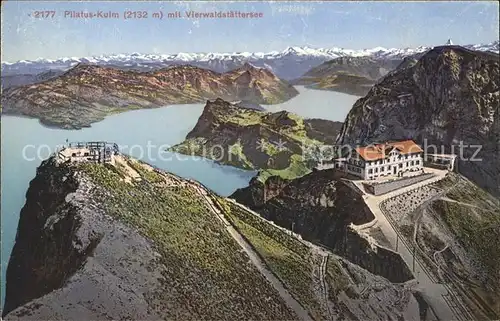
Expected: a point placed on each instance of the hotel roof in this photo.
(381, 151)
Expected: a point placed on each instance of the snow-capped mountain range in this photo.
(287, 64)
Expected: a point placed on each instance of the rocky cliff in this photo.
(321, 207)
(127, 241)
(87, 93)
(447, 99)
(250, 139)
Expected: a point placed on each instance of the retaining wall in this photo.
(437, 166)
(386, 187)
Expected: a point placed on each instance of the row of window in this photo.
(355, 162)
(388, 168)
(354, 169)
(380, 162)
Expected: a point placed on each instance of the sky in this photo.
(352, 25)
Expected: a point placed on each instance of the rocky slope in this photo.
(449, 97)
(87, 93)
(457, 232)
(126, 241)
(250, 139)
(351, 75)
(320, 207)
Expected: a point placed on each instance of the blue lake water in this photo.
(322, 104)
(143, 134)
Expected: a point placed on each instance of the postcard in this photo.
(250, 160)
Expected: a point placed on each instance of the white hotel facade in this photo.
(389, 159)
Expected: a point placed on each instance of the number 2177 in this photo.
(44, 14)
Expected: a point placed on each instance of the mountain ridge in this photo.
(86, 248)
(87, 93)
(256, 140)
(221, 62)
(450, 95)
(291, 50)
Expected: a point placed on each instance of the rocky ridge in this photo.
(447, 98)
(275, 142)
(87, 93)
(320, 207)
(86, 249)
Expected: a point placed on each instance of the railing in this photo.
(94, 145)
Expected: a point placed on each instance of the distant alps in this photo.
(288, 64)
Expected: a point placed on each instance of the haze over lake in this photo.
(25, 143)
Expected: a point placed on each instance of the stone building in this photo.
(388, 159)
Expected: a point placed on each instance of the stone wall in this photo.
(386, 187)
(437, 166)
(400, 206)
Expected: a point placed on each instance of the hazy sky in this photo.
(353, 25)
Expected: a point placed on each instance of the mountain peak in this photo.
(248, 66)
(466, 52)
(83, 67)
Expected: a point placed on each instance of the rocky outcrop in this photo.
(251, 139)
(87, 93)
(126, 241)
(320, 207)
(87, 250)
(448, 99)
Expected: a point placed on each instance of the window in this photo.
(73, 155)
(376, 170)
(400, 165)
(388, 168)
(417, 162)
(370, 171)
(86, 154)
(412, 163)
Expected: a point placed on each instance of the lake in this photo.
(322, 104)
(144, 134)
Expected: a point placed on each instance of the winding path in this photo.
(431, 290)
(316, 250)
(254, 256)
(323, 284)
